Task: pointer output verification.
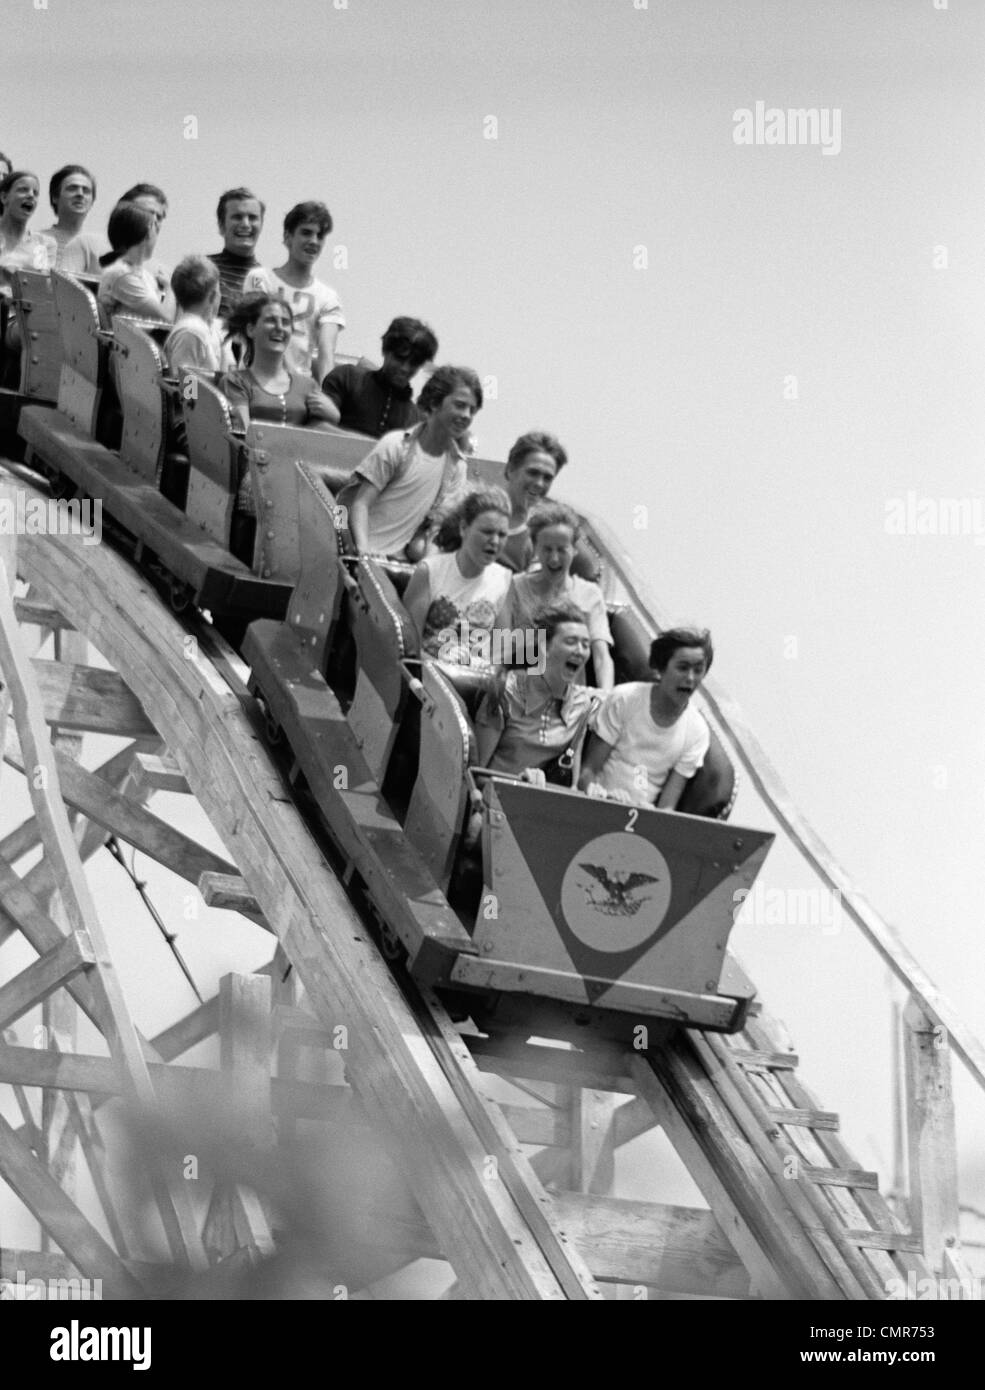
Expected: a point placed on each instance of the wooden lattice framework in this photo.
(790, 1214)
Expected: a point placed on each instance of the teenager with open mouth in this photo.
(534, 725)
(554, 530)
(20, 248)
(649, 739)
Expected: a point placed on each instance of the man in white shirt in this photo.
(649, 740)
(72, 192)
(411, 477)
(318, 316)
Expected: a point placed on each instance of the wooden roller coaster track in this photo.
(516, 1197)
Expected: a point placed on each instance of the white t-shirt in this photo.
(313, 306)
(194, 343)
(79, 255)
(455, 601)
(410, 482)
(643, 754)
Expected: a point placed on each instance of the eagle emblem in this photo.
(617, 889)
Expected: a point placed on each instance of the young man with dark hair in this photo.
(648, 738)
(412, 475)
(72, 192)
(240, 218)
(318, 316)
(373, 400)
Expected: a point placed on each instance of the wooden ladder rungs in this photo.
(804, 1119)
(771, 1061)
(886, 1240)
(842, 1177)
(228, 891)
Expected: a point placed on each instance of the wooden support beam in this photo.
(129, 821)
(675, 1249)
(157, 773)
(399, 1068)
(172, 1199)
(178, 1086)
(931, 1139)
(83, 1124)
(58, 1214)
(43, 976)
(36, 613)
(592, 1146)
(90, 699)
(245, 1056)
(228, 890)
(59, 1013)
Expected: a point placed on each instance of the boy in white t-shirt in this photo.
(649, 740)
(412, 477)
(195, 341)
(318, 315)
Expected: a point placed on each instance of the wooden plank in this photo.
(542, 1127)
(42, 977)
(172, 1198)
(245, 1054)
(592, 1147)
(128, 820)
(59, 1013)
(675, 1249)
(769, 1061)
(38, 614)
(42, 1196)
(842, 1177)
(885, 1240)
(228, 891)
(394, 1069)
(90, 699)
(930, 1135)
(805, 1119)
(177, 1085)
(604, 1070)
(158, 774)
(82, 1122)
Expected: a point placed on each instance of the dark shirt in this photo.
(367, 401)
(232, 273)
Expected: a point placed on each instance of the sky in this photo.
(759, 357)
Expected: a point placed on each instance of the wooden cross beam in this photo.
(173, 1201)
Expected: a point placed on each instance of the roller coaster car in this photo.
(70, 443)
(594, 904)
